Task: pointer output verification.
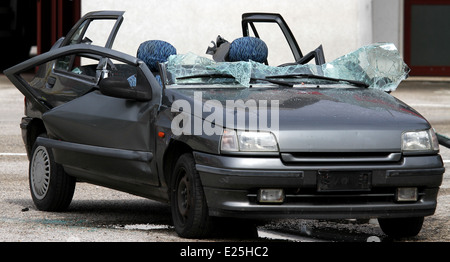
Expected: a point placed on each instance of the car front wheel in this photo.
(188, 203)
(51, 188)
(401, 227)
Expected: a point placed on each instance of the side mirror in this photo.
(121, 88)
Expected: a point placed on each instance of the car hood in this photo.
(336, 119)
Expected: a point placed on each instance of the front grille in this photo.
(341, 198)
(340, 157)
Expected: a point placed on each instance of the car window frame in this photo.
(69, 73)
(88, 18)
(14, 73)
(250, 19)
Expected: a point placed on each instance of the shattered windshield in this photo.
(377, 66)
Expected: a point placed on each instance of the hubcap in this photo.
(40, 172)
(183, 196)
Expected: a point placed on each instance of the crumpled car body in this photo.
(243, 139)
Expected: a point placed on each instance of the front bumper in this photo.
(230, 184)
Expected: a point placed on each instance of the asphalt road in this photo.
(101, 215)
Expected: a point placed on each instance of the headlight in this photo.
(229, 141)
(250, 141)
(425, 140)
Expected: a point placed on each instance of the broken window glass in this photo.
(378, 66)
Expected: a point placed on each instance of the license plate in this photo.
(343, 181)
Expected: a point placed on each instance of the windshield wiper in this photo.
(311, 76)
(205, 76)
(277, 82)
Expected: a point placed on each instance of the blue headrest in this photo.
(153, 52)
(248, 48)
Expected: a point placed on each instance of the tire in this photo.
(401, 227)
(51, 188)
(187, 200)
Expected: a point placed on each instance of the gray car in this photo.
(230, 136)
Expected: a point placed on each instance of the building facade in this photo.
(420, 29)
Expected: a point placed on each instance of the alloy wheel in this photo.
(40, 172)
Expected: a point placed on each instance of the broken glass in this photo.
(378, 66)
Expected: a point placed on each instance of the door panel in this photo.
(107, 137)
(99, 120)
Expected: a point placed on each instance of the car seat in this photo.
(153, 52)
(248, 48)
(241, 49)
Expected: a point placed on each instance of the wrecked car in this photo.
(229, 135)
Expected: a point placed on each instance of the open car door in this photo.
(95, 135)
(250, 21)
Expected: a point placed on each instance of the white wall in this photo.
(340, 26)
(387, 22)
